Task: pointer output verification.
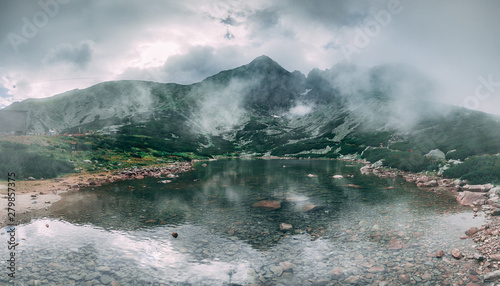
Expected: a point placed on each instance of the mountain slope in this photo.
(261, 108)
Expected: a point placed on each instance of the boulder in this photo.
(495, 190)
(436, 154)
(365, 169)
(477, 188)
(311, 208)
(495, 212)
(467, 198)
(337, 176)
(494, 275)
(439, 254)
(430, 184)
(471, 231)
(285, 226)
(456, 254)
(267, 205)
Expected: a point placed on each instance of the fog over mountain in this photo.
(52, 46)
(261, 108)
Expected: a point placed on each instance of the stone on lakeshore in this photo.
(277, 270)
(427, 276)
(403, 278)
(495, 190)
(267, 204)
(431, 183)
(477, 188)
(286, 265)
(440, 254)
(336, 273)
(492, 275)
(395, 244)
(285, 226)
(495, 212)
(471, 231)
(376, 269)
(495, 256)
(468, 198)
(311, 208)
(436, 154)
(456, 254)
(352, 279)
(106, 279)
(365, 169)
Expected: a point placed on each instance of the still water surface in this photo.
(362, 229)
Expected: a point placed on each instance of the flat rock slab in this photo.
(267, 205)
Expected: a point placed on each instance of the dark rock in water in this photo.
(175, 234)
(440, 254)
(267, 205)
(495, 212)
(312, 208)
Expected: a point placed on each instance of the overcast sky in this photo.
(51, 46)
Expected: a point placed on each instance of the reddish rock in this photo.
(175, 234)
(467, 198)
(376, 269)
(440, 254)
(495, 256)
(336, 273)
(471, 231)
(286, 266)
(403, 278)
(395, 244)
(267, 205)
(456, 254)
(285, 226)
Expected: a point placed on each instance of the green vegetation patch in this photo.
(478, 170)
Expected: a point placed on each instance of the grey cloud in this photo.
(79, 55)
(229, 35)
(230, 21)
(264, 18)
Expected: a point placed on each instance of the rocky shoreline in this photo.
(481, 198)
(34, 194)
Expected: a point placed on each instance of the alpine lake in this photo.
(355, 230)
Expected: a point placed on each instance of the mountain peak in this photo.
(264, 62)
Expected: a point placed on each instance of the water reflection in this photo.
(123, 231)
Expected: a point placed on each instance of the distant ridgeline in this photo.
(383, 113)
(13, 122)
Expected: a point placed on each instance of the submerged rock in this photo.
(267, 205)
(285, 226)
(471, 231)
